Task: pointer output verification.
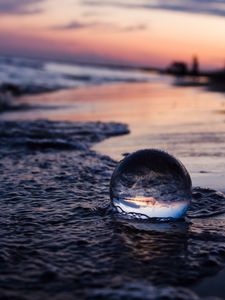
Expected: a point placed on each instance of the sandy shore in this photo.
(52, 181)
(186, 121)
(59, 240)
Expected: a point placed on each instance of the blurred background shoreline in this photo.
(20, 76)
(162, 109)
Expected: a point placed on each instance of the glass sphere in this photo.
(151, 183)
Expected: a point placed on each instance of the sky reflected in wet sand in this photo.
(188, 122)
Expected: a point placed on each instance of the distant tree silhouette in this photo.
(178, 68)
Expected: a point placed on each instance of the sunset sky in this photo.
(135, 32)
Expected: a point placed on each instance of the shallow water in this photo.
(58, 239)
(55, 228)
(159, 116)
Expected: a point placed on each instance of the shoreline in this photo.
(159, 116)
(54, 191)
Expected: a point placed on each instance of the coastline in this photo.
(158, 115)
(61, 181)
(112, 150)
(58, 238)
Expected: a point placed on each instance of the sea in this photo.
(34, 76)
(57, 238)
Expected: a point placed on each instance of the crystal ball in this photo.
(151, 183)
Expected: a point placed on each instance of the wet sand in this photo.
(189, 122)
(60, 240)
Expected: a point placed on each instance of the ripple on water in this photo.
(58, 241)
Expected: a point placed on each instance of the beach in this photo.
(112, 150)
(59, 238)
(185, 121)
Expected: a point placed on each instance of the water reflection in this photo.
(151, 183)
(149, 207)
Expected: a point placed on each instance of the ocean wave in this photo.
(31, 76)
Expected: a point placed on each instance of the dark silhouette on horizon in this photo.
(178, 68)
(193, 76)
(195, 66)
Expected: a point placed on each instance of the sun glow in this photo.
(132, 36)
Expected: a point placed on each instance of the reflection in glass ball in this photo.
(150, 184)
